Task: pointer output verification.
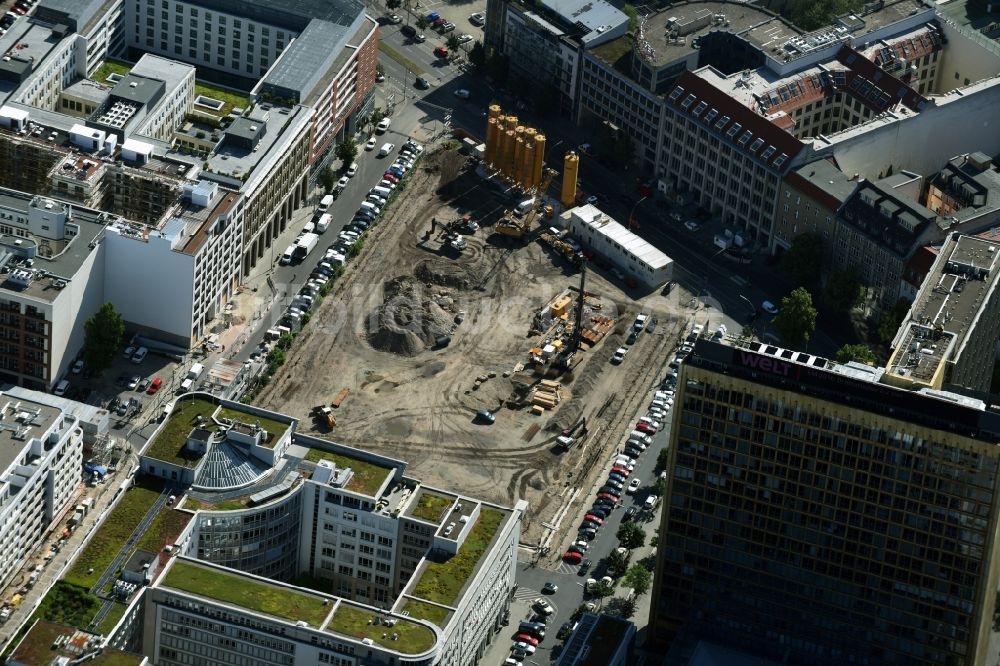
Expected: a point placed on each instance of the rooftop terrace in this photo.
(442, 581)
(168, 442)
(430, 506)
(367, 477)
(253, 594)
(403, 636)
(37, 648)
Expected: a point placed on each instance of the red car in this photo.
(645, 427)
(572, 557)
(595, 518)
(154, 386)
(527, 638)
(441, 52)
(620, 470)
(608, 496)
(391, 177)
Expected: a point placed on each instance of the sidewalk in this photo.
(54, 568)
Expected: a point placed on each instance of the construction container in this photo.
(561, 305)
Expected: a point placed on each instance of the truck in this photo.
(323, 222)
(195, 371)
(305, 245)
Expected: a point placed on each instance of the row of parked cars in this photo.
(17, 10)
(337, 253)
(529, 634)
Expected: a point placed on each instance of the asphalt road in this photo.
(570, 593)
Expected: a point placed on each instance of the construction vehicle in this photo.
(563, 248)
(324, 414)
(565, 357)
(511, 225)
(575, 434)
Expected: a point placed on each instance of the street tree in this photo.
(328, 178)
(347, 150)
(638, 578)
(890, 320)
(661, 460)
(619, 607)
(477, 54)
(860, 353)
(452, 42)
(804, 259)
(633, 16)
(660, 487)
(797, 319)
(617, 563)
(631, 536)
(377, 115)
(393, 4)
(601, 590)
(422, 22)
(843, 291)
(103, 333)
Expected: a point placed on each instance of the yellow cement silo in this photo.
(517, 167)
(529, 159)
(494, 110)
(501, 143)
(507, 161)
(571, 165)
(536, 167)
(491, 140)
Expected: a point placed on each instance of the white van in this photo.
(186, 385)
(386, 149)
(61, 387)
(381, 191)
(323, 223)
(325, 203)
(370, 206)
(286, 257)
(310, 228)
(524, 206)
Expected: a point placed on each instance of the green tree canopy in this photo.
(814, 14)
(633, 16)
(601, 590)
(638, 578)
(661, 460)
(804, 259)
(477, 54)
(422, 22)
(347, 150)
(620, 607)
(797, 319)
(393, 4)
(890, 320)
(328, 178)
(103, 334)
(617, 563)
(631, 536)
(860, 353)
(843, 291)
(452, 42)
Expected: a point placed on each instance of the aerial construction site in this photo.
(470, 339)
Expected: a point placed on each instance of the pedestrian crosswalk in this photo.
(526, 594)
(566, 568)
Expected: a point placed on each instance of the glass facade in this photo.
(823, 532)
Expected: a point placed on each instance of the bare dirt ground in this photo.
(375, 332)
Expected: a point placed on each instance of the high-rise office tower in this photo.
(820, 516)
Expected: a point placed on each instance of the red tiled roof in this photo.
(875, 86)
(908, 49)
(919, 265)
(731, 121)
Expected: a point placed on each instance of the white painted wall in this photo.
(963, 122)
(81, 298)
(150, 284)
(966, 58)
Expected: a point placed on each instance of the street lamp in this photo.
(753, 309)
(631, 215)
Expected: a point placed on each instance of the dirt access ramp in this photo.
(376, 332)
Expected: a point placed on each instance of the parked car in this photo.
(572, 557)
(594, 518)
(619, 355)
(598, 511)
(543, 606)
(526, 638)
(584, 568)
(383, 125)
(629, 513)
(478, 18)
(441, 52)
(422, 83)
(549, 588)
(633, 486)
(371, 144)
(154, 386)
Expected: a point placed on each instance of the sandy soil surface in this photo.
(376, 331)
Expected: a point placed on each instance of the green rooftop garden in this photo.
(37, 649)
(109, 67)
(421, 610)
(247, 593)
(275, 428)
(367, 478)
(430, 506)
(169, 442)
(411, 638)
(166, 527)
(68, 604)
(230, 99)
(111, 619)
(226, 505)
(105, 543)
(441, 582)
(615, 53)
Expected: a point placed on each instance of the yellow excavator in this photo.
(516, 227)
